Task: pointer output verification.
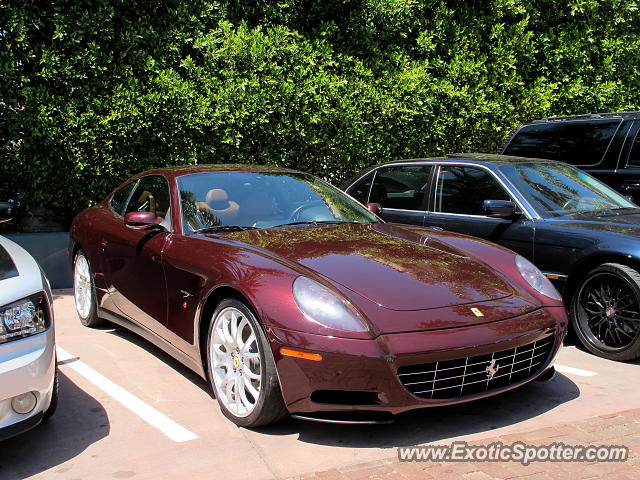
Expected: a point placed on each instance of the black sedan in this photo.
(582, 234)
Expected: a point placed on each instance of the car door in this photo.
(401, 189)
(458, 194)
(134, 256)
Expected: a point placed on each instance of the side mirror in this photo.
(628, 197)
(141, 220)
(499, 208)
(6, 211)
(374, 208)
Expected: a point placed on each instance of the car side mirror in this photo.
(499, 208)
(142, 220)
(628, 198)
(6, 211)
(374, 208)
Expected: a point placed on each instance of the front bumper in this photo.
(362, 375)
(26, 365)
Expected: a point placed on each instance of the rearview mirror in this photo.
(374, 208)
(6, 211)
(499, 208)
(141, 220)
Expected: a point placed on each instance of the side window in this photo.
(360, 191)
(634, 156)
(463, 189)
(401, 187)
(151, 195)
(119, 199)
(581, 142)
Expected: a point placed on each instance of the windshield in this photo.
(243, 200)
(555, 190)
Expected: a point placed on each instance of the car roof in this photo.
(588, 116)
(477, 158)
(480, 159)
(223, 167)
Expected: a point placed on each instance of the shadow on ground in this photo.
(79, 421)
(160, 354)
(437, 423)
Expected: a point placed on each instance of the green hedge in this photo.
(92, 91)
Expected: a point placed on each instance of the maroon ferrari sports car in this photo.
(290, 297)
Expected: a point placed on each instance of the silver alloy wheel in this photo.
(82, 286)
(235, 361)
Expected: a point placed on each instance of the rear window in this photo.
(581, 143)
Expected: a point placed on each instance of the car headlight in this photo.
(320, 305)
(23, 318)
(534, 277)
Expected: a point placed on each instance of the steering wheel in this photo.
(296, 214)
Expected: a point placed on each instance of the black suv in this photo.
(606, 145)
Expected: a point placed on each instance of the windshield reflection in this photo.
(555, 190)
(223, 201)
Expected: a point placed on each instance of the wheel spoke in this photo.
(246, 386)
(624, 332)
(596, 300)
(233, 327)
(239, 329)
(601, 325)
(593, 312)
(252, 390)
(246, 346)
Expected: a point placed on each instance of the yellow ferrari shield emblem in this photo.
(477, 312)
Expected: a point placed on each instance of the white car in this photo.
(28, 374)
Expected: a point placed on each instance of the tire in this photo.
(230, 366)
(84, 291)
(54, 399)
(605, 312)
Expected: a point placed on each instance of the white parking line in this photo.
(153, 417)
(575, 371)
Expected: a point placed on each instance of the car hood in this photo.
(626, 222)
(395, 267)
(20, 275)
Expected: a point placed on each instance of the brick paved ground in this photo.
(622, 428)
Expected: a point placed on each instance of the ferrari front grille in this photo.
(472, 375)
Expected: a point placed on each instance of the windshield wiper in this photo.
(606, 211)
(314, 222)
(224, 228)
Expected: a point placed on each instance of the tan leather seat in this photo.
(147, 202)
(217, 201)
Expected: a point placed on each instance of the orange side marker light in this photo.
(298, 354)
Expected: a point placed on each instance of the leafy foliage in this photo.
(93, 91)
